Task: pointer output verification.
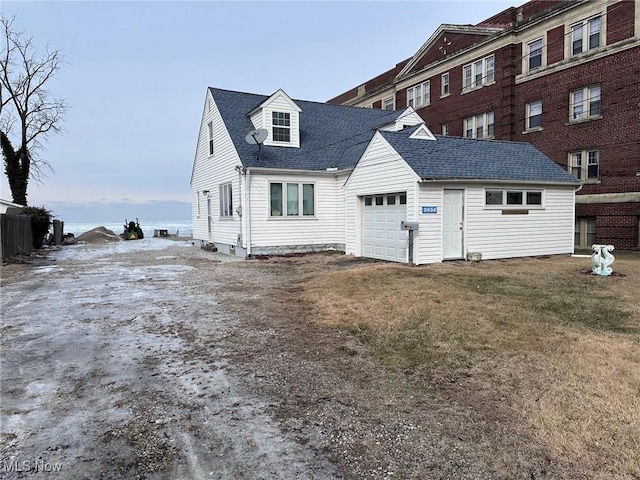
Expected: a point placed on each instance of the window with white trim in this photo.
(585, 232)
(226, 200)
(512, 198)
(281, 126)
(444, 85)
(388, 104)
(534, 115)
(291, 199)
(210, 129)
(586, 35)
(535, 54)
(584, 165)
(445, 129)
(420, 95)
(585, 103)
(480, 126)
(479, 73)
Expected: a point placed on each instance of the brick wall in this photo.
(616, 134)
(616, 223)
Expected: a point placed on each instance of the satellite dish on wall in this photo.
(256, 137)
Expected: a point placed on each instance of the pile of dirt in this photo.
(99, 235)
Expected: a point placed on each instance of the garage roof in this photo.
(450, 158)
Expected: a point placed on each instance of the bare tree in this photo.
(27, 106)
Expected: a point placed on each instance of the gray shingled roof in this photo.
(448, 158)
(330, 135)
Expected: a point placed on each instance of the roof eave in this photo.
(499, 181)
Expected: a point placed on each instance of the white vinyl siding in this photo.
(208, 174)
(381, 170)
(326, 227)
(541, 231)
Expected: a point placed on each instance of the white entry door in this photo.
(381, 234)
(453, 212)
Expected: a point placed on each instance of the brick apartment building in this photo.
(561, 75)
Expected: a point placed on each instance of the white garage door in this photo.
(381, 234)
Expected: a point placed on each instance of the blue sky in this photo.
(137, 73)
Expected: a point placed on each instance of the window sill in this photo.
(533, 130)
(445, 95)
(582, 120)
(473, 89)
(222, 219)
(592, 181)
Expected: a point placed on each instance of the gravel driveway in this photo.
(115, 364)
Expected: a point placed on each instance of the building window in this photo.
(480, 126)
(286, 199)
(419, 96)
(534, 115)
(584, 165)
(585, 35)
(513, 198)
(226, 200)
(445, 84)
(585, 103)
(210, 128)
(585, 232)
(445, 129)
(535, 54)
(388, 104)
(281, 124)
(478, 73)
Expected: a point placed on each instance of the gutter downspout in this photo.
(246, 211)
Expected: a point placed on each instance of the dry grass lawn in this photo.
(543, 344)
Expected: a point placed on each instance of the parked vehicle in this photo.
(132, 230)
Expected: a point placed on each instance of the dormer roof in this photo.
(278, 95)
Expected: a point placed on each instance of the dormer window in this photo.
(281, 127)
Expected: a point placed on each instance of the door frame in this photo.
(461, 191)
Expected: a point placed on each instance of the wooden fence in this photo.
(15, 235)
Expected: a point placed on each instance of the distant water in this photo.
(184, 229)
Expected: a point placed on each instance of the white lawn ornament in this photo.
(602, 259)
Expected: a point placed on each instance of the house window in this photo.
(210, 128)
(480, 126)
(585, 232)
(534, 115)
(388, 104)
(292, 199)
(535, 54)
(585, 35)
(584, 165)
(513, 198)
(281, 124)
(226, 200)
(585, 103)
(445, 84)
(478, 73)
(420, 95)
(445, 129)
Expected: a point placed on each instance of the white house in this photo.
(344, 178)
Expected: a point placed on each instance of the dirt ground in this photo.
(155, 359)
